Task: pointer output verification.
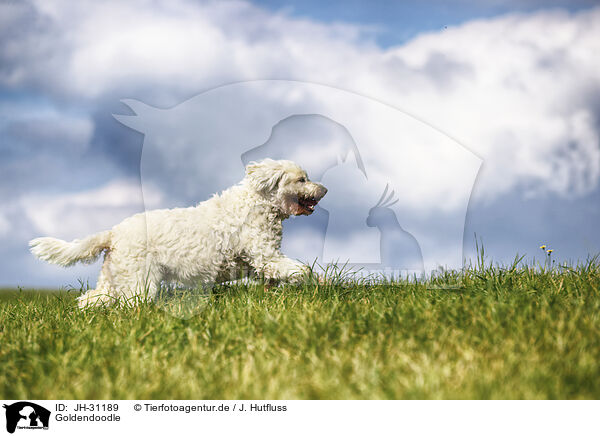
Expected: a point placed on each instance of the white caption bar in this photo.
(300, 417)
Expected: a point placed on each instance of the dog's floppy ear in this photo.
(264, 175)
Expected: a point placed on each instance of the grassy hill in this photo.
(484, 332)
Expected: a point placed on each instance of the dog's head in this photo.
(286, 185)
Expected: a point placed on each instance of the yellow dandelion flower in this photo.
(550, 251)
(543, 247)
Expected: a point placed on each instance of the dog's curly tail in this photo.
(68, 253)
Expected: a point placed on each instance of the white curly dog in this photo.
(232, 234)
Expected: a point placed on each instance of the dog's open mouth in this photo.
(307, 204)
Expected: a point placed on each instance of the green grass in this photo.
(500, 333)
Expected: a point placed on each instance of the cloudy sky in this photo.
(483, 117)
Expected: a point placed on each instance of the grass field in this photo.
(498, 333)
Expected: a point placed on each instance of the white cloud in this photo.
(75, 215)
(514, 89)
(522, 102)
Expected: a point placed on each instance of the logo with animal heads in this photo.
(26, 415)
(201, 146)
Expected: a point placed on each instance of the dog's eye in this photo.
(302, 180)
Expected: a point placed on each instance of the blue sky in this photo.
(514, 83)
(395, 22)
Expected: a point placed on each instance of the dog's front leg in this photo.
(282, 268)
(268, 262)
(262, 251)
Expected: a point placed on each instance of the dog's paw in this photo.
(95, 298)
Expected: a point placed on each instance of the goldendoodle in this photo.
(235, 233)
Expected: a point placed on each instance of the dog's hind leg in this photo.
(134, 279)
(104, 293)
(124, 278)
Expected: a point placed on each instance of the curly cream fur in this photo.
(232, 234)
